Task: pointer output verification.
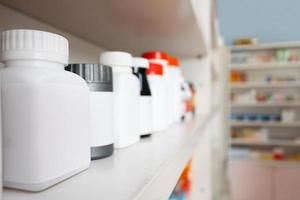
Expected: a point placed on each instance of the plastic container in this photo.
(161, 58)
(156, 82)
(140, 66)
(177, 82)
(100, 81)
(126, 98)
(45, 112)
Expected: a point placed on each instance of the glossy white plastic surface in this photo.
(159, 102)
(45, 124)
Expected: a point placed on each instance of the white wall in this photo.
(80, 50)
(198, 71)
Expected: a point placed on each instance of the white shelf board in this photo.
(264, 85)
(267, 163)
(148, 170)
(266, 46)
(265, 66)
(264, 124)
(135, 26)
(259, 105)
(247, 142)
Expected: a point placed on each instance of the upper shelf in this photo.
(266, 46)
(148, 170)
(134, 26)
(265, 66)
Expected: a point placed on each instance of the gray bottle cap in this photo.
(98, 77)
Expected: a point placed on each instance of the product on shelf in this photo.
(161, 58)
(282, 55)
(238, 77)
(278, 154)
(156, 82)
(177, 82)
(126, 98)
(140, 66)
(256, 117)
(99, 79)
(45, 112)
(288, 115)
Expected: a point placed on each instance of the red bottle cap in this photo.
(155, 68)
(172, 61)
(155, 55)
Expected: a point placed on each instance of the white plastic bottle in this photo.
(161, 58)
(126, 98)
(177, 82)
(45, 111)
(140, 66)
(156, 81)
(99, 79)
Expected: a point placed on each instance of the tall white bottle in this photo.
(161, 58)
(140, 66)
(45, 111)
(159, 100)
(176, 85)
(126, 98)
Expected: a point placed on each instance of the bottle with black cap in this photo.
(140, 66)
(100, 81)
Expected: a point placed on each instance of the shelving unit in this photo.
(256, 62)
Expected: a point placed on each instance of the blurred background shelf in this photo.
(271, 105)
(266, 124)
(264, 85)
(270, 143)
(265, 66)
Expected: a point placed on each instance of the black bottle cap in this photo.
(98, 77)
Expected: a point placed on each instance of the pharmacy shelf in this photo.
(264, 124)
(266, 105)
(266, 46)
(235, 86)
(134, 26)
(269, 143)
(265, 66)
(267, 163)
(147, 170)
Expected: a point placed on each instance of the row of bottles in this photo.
(58, 116)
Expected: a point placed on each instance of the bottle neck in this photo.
(122, 69)
(30, 63)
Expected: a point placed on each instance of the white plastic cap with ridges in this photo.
(140, 62)
(34, 44)
(116, 58)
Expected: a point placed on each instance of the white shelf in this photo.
(266, 124)
(265, 46)
(259, 105)
(264, 85)
(146, 171)
(268, 163)
(135, 26)
(265, 66)
(247, 142)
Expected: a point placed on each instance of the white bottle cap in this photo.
(140, 62)
(34, 44)
(116, 58)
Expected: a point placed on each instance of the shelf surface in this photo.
(247, 142)
(264, 85)
(147, 170)
(266, 124)
(134, 26)
(265, 66)
(254, 105)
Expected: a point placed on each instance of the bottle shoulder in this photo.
(40, 75)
